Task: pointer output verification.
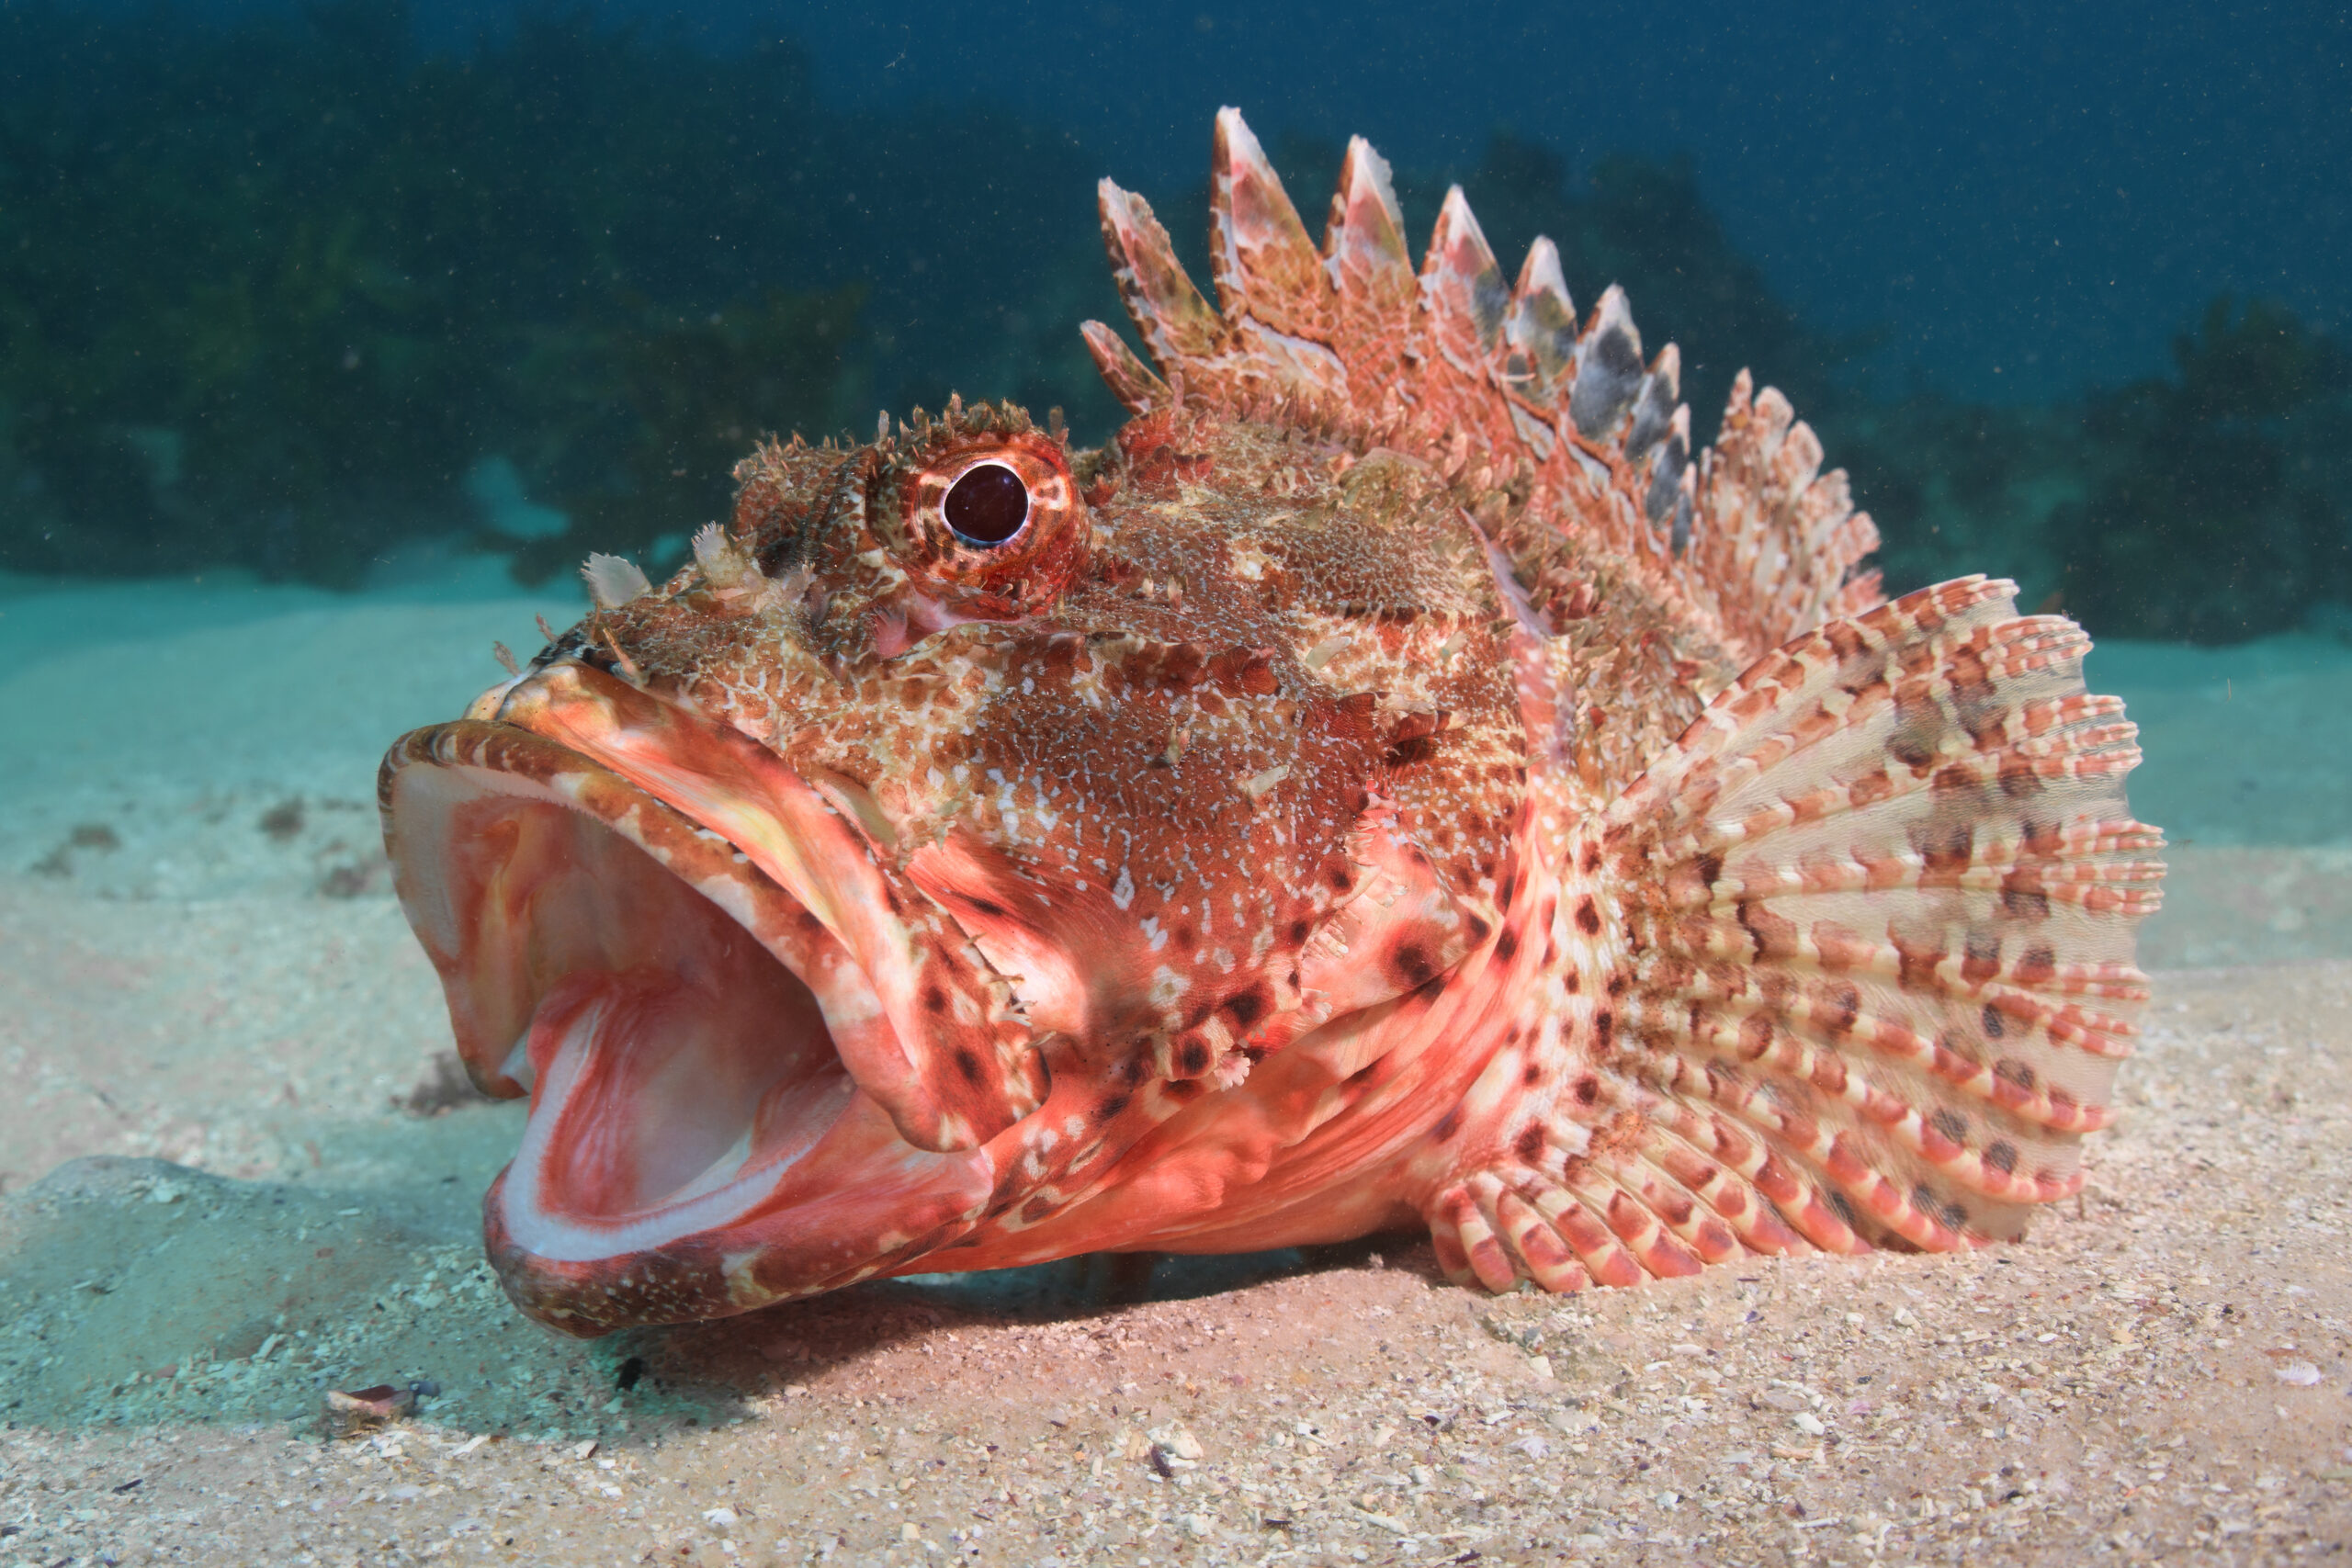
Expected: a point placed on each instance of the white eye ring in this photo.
(979, 506)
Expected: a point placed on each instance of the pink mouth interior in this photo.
(678, 1072)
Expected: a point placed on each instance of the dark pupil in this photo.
(988, 505)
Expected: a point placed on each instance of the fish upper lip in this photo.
(616, 1164)
(946, 1048)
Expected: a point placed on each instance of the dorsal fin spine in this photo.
(1349, 340)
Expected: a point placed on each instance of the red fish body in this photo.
(1397, 781)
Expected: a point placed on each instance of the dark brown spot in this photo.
(1710, 869)
(1507, 946)
(1915, 967)
(1587, 1088)
(1775, 935)
(1411, 962)
(1248, 1006)
(933, 1000)
(2002, 1156)
(1948, 854)
(2017, 1072)
(1530, 1145)
(1871, 675)
(1588, 916)
(1604, 1024)
(2039, 965)
(1951, 1124)
(1994, 1025)
(1952, 780)
(967, 1062)
(1192, 1058)
(1478, 930)
(1447, 1125)
(1983, 957)
(1109, 1106)
(1532, 1074)
(1574, 981)
(1298, 930)
(1920, 725)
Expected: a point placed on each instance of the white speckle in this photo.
(1259, 783)
(2302, 1374)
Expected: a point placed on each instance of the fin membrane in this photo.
(1865, 939)
(1494, 382)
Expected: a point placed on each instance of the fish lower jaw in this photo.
(699, 1140)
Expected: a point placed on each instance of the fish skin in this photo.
(1398, 781)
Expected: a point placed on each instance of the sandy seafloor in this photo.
(228, 1183)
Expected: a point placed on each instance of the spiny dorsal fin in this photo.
(1494, 383)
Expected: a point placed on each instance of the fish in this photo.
(1397, 783)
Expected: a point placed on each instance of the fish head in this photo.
(968, 807)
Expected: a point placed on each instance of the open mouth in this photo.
(685, 1028)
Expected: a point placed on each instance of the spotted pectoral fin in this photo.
(1871, 920)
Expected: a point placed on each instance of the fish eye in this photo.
(988, 506)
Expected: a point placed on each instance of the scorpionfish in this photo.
(1395, 782)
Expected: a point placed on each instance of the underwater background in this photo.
(326, 307)
(333, 335)
(327, 293)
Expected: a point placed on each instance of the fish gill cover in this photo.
(273, 293)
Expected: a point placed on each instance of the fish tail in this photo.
(1851, 966)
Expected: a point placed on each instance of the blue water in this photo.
(2024, 199)
(402, 357)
